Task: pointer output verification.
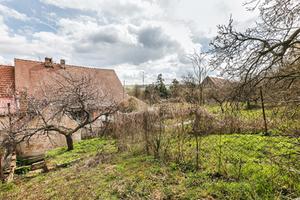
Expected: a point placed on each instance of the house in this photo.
(7, 87)
(217, 90)
(27, 78)
(214, 82)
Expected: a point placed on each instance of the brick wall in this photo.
(7, 87)
(7, 81)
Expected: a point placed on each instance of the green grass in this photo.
(235, 166)
(131, 175)
(82, 149)
(279, 119)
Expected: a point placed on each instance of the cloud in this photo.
(153, 37)
(38, 46)
(111, 34)
(130, 36)
(9, 43)
(112, 10)
(117, 43)
(202, 40)
(169, 66)
(9, 12)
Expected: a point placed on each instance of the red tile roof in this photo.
(30, 75)
(7, 81)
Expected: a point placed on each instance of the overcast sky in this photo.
(130, 36)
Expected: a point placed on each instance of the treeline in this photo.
(185, 90)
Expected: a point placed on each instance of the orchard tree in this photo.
(15, 128)
(71, 96)
(259, 52)
(201, 69)
(190, 88)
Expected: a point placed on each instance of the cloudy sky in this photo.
(130, 36)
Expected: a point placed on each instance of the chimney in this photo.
(48, 62)
(63, 63)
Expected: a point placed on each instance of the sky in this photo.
(130, 36)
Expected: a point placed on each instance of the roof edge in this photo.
(76, 66)
(6, 65)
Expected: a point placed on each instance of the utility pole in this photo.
(124, 84)
(143, 79)
(263, 111)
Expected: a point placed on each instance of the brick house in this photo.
(7, 88)
(27, 77)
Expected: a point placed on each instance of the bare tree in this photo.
(14, 128)
(220, 95)
(200, 71)
(258, 52)
(71, 96)
(285, 87)
(220, 91)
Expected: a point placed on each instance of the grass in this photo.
(279, 120)
(235, 166)
(82, 149)
(134, 175)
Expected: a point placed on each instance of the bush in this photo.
(132, 104)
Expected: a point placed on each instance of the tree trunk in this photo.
(69, 140)
(12, 167)
(200, 96)
(1, 167)
(11, 152)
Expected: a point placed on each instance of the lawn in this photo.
(252, 167)
(82, 149)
